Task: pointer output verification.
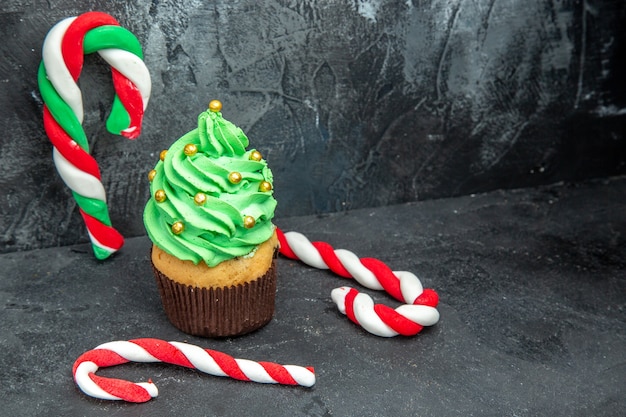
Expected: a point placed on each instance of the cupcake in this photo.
(209, 219)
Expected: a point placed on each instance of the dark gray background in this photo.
(354, 103)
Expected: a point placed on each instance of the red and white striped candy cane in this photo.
(63, 51)
(183, 354)
(407, 320)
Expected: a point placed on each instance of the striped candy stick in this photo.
(63, 51)
(407, 320)
(182, 354)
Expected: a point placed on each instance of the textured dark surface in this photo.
(354, 103)
(533, 291)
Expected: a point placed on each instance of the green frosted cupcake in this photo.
(209, 218)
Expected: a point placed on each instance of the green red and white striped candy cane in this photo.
(408, 319)
(63, 54)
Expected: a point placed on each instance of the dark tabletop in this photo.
(532, 285)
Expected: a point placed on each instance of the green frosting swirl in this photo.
(213, 231)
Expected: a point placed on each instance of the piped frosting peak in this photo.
(211, 199)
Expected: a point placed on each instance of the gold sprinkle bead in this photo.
(265, 186)
(255, 156)
(199, 199)
(178, 227)
(235, 177)
(151, 175)
(215, 106)
(190, 149)
(249, 222)
(162, 154)
(160, 196)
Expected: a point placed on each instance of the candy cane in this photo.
(190, 356)
(407, 320)
(63, 51)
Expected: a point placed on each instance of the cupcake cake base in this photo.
(233, 298)
(219, 312)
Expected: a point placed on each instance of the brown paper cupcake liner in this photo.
(219, 312)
